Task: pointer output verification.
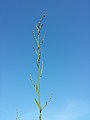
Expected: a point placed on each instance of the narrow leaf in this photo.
(38, 104)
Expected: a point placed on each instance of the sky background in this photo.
(65, 52)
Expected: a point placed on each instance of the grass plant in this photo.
(40, 65)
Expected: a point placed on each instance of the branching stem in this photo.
(39, 66)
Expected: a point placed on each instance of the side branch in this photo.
(32, 81)
(47, 102)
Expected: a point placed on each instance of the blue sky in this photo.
(65, 52)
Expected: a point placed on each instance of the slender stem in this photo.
(39, 73)
(40, 117)
(39, 83)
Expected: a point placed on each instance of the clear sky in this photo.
(65, 52)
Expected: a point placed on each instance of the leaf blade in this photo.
(39, 106)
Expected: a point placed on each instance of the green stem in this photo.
(40, 117)
(39, 74)
(39, 83)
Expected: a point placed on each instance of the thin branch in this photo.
(35, 50)
(32, 81)
(42, 40)
(34, 36)
(47, 102)
(42, 19)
